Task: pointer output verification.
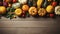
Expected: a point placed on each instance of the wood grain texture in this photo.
(30, 26)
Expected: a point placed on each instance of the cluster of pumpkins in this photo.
(31, 7)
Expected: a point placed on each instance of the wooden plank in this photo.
(29, 22)
(29, 30)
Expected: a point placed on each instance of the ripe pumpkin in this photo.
(33, 11)
(25, 7)
(42, 12)
(2, 9)
(57, 10)
(49, 8)
(18, 12)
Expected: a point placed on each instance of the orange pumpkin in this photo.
(49, 8)
(18, 12)
(33, 11)
(2, 9)
(25, 7)
(42, 12)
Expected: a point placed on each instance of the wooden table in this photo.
(30, 26)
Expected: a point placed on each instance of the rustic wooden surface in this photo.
(30, 26)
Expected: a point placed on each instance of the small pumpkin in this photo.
(18, 12)
(42, 12)
(49, 8)
(33, 11)
(57, 10)
(25, 7)
(2, 9)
